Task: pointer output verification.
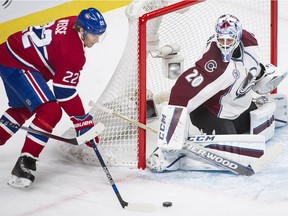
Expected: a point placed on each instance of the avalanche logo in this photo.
(246, 85)
(6, 3)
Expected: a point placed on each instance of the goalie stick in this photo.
(204, 153)
(109, 111)
(256, 166)
(89, 135)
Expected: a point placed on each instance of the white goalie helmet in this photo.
(228, 32)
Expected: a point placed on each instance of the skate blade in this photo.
(17, 182)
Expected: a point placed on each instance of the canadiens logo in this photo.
(87, 16)
(210, 66)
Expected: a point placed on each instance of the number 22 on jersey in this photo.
(39, 35)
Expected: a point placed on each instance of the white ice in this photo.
(65, 188)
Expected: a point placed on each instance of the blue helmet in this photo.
(92, 21)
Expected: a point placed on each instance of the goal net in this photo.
(162, 35)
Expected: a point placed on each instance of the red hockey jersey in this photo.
(56, 51)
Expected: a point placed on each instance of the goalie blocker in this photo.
(177, 149)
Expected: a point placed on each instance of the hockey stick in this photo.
(204, 153)
(86, 137)
(89, 135)
(255, 167)
(218, 160)
(109, 111)
(139, 207)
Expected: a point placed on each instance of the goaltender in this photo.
(216, 94)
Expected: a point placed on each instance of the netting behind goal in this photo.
(139, 74)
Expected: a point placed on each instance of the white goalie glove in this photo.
(270, 79)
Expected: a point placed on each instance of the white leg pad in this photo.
(243, 149)
(280, 114)
(262, 120)
(174, 126)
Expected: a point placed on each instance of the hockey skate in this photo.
(21, 173)
(162, 160)
(156, 161)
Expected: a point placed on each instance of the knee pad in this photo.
(47, 116)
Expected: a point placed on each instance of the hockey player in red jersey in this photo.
(29, 59)
(217, 91)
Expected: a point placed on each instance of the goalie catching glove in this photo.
(82, 124)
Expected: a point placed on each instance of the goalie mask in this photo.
(228, 32)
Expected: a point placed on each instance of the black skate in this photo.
(21, 173)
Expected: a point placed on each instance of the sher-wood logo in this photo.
(6, 3)
(211, 157)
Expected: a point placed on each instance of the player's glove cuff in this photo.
(82, 124)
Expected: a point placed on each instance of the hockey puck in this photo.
(167, 204)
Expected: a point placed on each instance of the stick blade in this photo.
(271, 154)
(96, 130)
(141, 207)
